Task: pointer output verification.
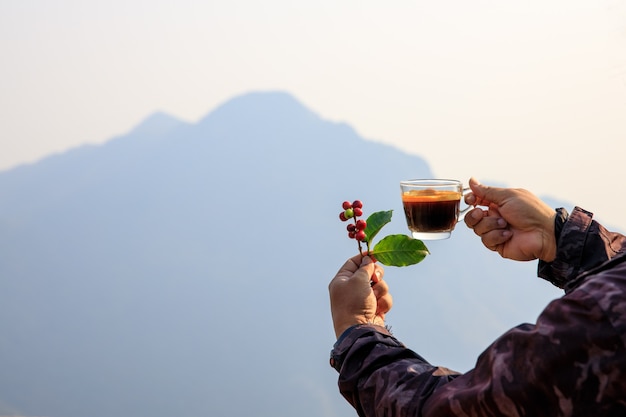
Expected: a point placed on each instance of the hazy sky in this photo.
(528, 93)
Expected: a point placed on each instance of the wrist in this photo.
(342, 327)
(553, 233)
(339, 330)
(548, 246)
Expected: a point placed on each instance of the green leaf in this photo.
(375, 222)
(399, 250)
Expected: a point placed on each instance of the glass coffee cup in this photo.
(432, 207)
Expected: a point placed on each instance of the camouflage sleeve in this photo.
(582, 245)
(571, 363)
(379, 376)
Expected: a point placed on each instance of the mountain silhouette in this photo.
(182, 269)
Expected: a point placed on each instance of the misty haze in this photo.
(182, 269)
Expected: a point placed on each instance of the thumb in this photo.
(485, 195)
(366, 269)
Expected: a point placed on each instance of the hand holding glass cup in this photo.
(432, 207)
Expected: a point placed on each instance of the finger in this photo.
(470, 198)
(488, 224)
(384, 299)
(380, 289)
(353, 275)
(494, 210)
(474, 217)
(378, 273)
(486, 195)
(383, 305)
(495, 239)
(474, 197)
(350, 266)
(357, 265)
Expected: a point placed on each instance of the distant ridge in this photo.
(266, 107)
(157, 123)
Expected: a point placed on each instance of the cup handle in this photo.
(463, 212)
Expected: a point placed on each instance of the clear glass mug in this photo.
(432, 207)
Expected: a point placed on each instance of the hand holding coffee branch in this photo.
(358, 295)
(572, 362)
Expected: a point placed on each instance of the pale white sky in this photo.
(530, 94)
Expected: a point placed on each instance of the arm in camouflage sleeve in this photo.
(583, 244)
(572, 362)
(379, 376)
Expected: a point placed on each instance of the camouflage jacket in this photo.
(572, 362)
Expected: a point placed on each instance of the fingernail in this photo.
(501, 222)
(507, 233)
(477, 214)
(376, 277)
(365, 260)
